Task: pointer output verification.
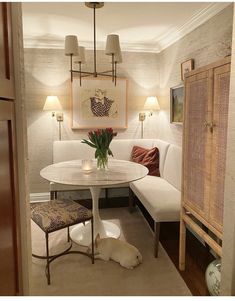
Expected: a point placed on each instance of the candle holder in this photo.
(87, 165)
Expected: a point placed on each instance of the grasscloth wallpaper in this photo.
(147, 73)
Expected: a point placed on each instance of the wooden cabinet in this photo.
(219, 144)
(204, 153)
(10, 280)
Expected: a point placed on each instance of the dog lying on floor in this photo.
(120, 251)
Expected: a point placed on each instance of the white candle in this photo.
(86, 165)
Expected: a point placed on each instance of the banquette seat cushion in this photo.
(161, 195)
(161, 199)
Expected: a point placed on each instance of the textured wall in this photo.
(47, 74)
(206, 44)
(147, 74)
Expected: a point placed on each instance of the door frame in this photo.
(21, 146)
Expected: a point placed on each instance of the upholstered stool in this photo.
(55, 215)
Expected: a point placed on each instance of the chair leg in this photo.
(92, 241)
(156, 238)
(48, 261)
(131, 201)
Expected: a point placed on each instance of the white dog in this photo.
(120, 251)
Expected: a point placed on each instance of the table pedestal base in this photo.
(82, 234)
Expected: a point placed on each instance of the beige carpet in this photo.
(74, 274)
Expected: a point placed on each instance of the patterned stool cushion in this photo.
(57, 214)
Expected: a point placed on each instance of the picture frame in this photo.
(176, 104)
(186, 67)
(98, 103)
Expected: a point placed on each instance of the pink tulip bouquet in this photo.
(100, 139)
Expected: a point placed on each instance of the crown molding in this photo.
(195, 21)
(157, 46)
(53, 43)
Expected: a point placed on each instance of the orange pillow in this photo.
(147, 157)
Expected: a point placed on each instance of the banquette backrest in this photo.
(172, 166)
(121, 148)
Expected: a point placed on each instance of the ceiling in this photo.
(142, 26)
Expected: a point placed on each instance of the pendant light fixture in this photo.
(77, 53)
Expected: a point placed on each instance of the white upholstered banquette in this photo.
(159, 195)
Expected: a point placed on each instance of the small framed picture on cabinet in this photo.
(186, 67)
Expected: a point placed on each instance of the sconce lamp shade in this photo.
(80, 58)
(112, 44)
(152, 104)
(52, 104)
(71, 45)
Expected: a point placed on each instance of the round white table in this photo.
(71, 173)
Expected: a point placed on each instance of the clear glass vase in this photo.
(102, 161)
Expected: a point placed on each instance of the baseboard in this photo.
(39, 197)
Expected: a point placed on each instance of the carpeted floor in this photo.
(74, 274)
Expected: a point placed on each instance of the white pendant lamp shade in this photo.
(152, 104)
(52, 103)
(117, 57)
(71, 45)
(80, 58)
(77, 56)
(112, 44)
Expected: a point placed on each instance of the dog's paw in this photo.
(127, 266)
(130, 268)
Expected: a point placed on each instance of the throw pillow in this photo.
(147, 157)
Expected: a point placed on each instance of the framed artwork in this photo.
(176, 104)
(98, 103)
(186, 67)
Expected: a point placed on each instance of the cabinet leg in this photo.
(182, 246)
(204, 228)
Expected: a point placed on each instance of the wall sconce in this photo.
(52, 104)
(151, 104)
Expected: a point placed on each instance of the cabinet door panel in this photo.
(6, 71)
(197, 142)
(219, 144)
(8, 237)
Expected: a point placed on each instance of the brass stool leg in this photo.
(48, 261)
(92, 241)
